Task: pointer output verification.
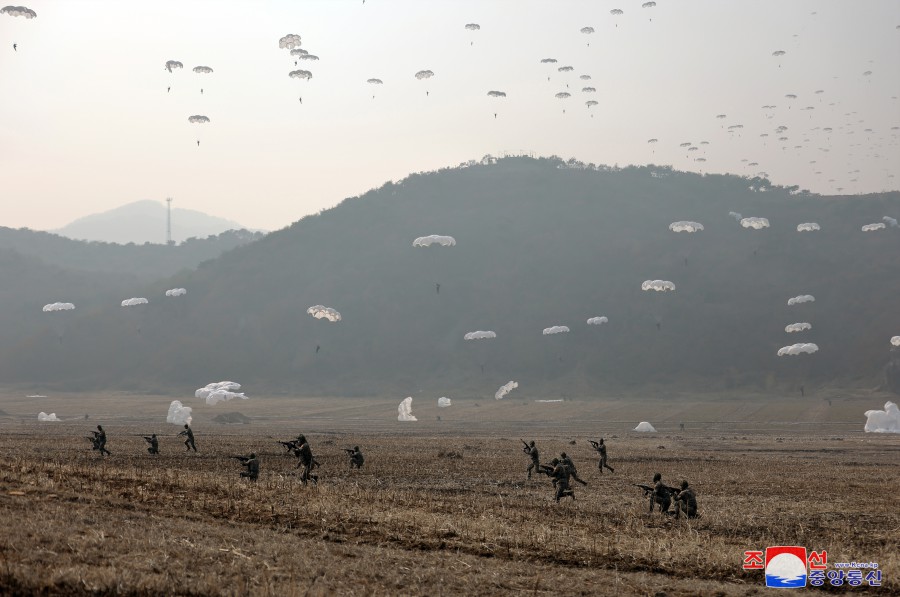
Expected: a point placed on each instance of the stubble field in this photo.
(442, 507)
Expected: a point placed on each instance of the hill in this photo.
(539, 243)
(145, 222)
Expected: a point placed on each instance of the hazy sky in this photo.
(87, 124)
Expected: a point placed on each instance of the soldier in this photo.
(561, 474)
(252, 465)
(686, 501)
(532, 451)
(356, 457)
(661, 495)
(565, 460)
(100, 441)
(306, 460)
(189, 442)
(601, 449)
(154, 444)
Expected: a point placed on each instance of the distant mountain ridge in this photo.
(145, 222)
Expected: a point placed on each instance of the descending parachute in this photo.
(598, 320)
(797, 327)
(883, 421)
(203, 70)
(289, 41)
(308, 56)
(18, 11)
(505, 389)
(563, 95)
(444, 402)
(795, 349)
(45, 418)
(658, 285)
(566, 69)
(648, 4)
(424, 74)
(479, 335)
(404, 410)
(779, 53)
(375, 81)
(584, 77)
(556, 329)
(873, 227)
(590, 103)
(616, 12)
(497, 93)
(588, 89)
(132, 302)
(179, 414)
(548, 60)
(176, 292)
(217, 396)
(895, 341)
(652, 140)
(587, 30)
(427, 241)
(299, 52)
(799, 300)
(58, 307)
(300, 74)
(755, 223)
(171, 65)
(808, 227)
(323, 312)
(645, 427)
(685, 226)
(473, 27)
(198, 119)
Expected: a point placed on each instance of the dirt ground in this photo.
(441, 507)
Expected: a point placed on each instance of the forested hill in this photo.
(539, 244)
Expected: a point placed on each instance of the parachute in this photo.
(808, 227)
(424, 74)
(308, 56)
(18, 11)
(217, 396)
(548, 60)
(658, 285)
(44, 417)
(873, 227)
(685, 226)
(587, 30)
(443, 402)
(205, 391)
(652, 140)
(598, 320)
(797, 327)
(790, 96)
(497, 93)
(289, 41)
(176, 292)
(132, 302)
(505, 389)
(198, 119)
(323, 312)
(892, 222)
(883, 421)
(179, 414)
(58, 307)
(479, 335)
(566, 69)
(562, 95)
(556, 329)
(755, 223)
(799, 300)
(685, 144)
(616, 11)
(473, 27)
(299, 52)
(203, 70)
(173, 64)
(895, 341)
(427, 241)
(648, 4)
(375, 81)
(645, 427)
(795, 349)
(590, 103)
(404, 410)
(735, 215)
(588, 89)
(779, 53)
(584, 77)
(300, 74)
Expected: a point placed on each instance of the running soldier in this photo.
(565, 460)
(100, 441)
(661, 494)
(601, 450)
(153, 448)
(306, 461)
(561, 474)
(686, 501)
(356, 457)
(532, 452)
(189, 442)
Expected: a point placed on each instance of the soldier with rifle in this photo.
(686, 501)
(356, 457)
(99, 441)
(306, 461)
(560, 474)
(532, 452)
(658, 493)
(601, 449)
(565, 460)
(252, 464)
(290, 445)
(153, 449)
(189, 442)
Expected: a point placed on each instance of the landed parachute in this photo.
(179, 414)
(18, 11)
(300, 74)
(685, 226)
(434, 239)
(658, 285)
(205, 391)
(198, 119)
(171, 65)
(755, 223)
(645, 427)
(873, 227)
(176, 292)
(444, 402)
(217, 396)
(289, 41)
(132, 302)
(799, 300)
(795, 349)
(883, 421)
(480, 335)
(203, 70)
(808, 227)
(895, 341)
(424, 74)
(58, 307)
(497, 93)
(797, 327)
(556, 329)
(598, 320)
(892, 222)
(404, 410)
(45, 418)
(505, 389)
(323, 312)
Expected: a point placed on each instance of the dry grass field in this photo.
(442, 507)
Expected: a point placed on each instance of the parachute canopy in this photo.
(658, 285)
(873, 227)
(289, 41)
(179, 414)
(755, 223)
(566, 69)
(45, 418)
(795, 349)
(375, 81)
(892, 222)
(198, 119)
(134, 301)
(556, 329)
(648, 4)
(616, 11)
(203, 70)
(300, 74)
(808, 227)
(685, 226)
(735, 215)
(308, 56)
(217, 396)
(479, 335)
(588, 89)
(58, 307)
(209, 388)
(590, 103)
(497, 93)
(473, 26)
(645, 427)
(299, 52)
(176, 292)
(563, 95)
(799, 300)
(883, 421)
(424, 74)
(404, 410)
(435, 239)
(797, 327)
(598, 320)
(895, 341)
(505, 389)
(587, 30)
(18, 11)
(779, 53)
(548, 60)
(443, 402)
(173, 64)
(323, 312)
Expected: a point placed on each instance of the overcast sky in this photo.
(87, 123)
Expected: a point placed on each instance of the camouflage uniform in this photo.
(252, 465)
(306, 461)
(686, 501)
(535, 465)
(356, 458)
(561, 474)
(661, 495)
(154, 444)
(565, 460)
(100, 441)
(601, 449)
(189, 442)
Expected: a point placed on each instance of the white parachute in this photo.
(480, 335)
(800, 348)
(808, 227)
(45, 418)
(18, 11)
(424, 74)
(873, 227)
(404, 410)
(171, 65)
(755, 223)
(473, 26)
(217, 396)
(132, 302)
(556, 329)
(505, 389)
(548, 60)
(648, 4)
(496, 93)
(289, 41)
(563, 95)
(58, 307)
(300, 74)
(375, 81)
(176, 292)
(443, 402)
(883, 421)
(616, 11)
(735, 215)
(799, 300)
(590, 103)
(598, 320)
(588, 90)
(565, 69)
(895, 341)
(645, 427)
(892, 222)
(202, 70)
(587, 30)
(299, 52)
(323, 312)
(685, 226)
(427, 241)
(797, 327)
(307, 56)
(179, 414)
(205, 391)
(658, 285)
(198, 119)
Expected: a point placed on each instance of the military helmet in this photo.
(531, 443)
(154, 435)
(253, 455)
(563, 455)
(601, 440)
(554, 461)
(657, 477)
(684, 485)
(100, 427)
(186, 425)
(356, 448)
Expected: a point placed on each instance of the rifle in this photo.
(94, 441)
(546, 469)
(289, 445)
(149, 440)
(243, 459)
(350, 451)
(527, 448)
(648, 489)
(595, 444)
